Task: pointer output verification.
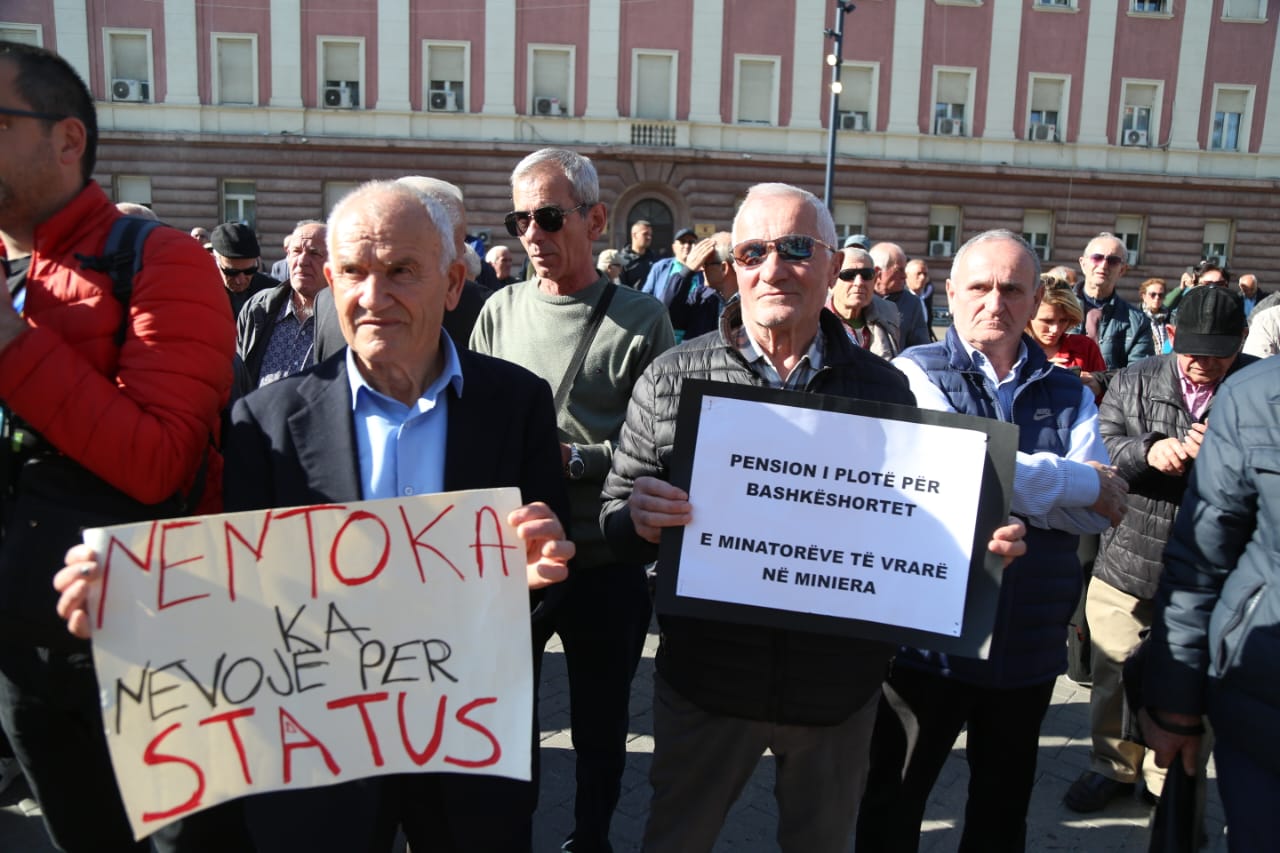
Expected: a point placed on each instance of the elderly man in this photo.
(724, 693)
(1250, 292)
(891, 284)
(107, 414)
(1153, 421)
(918, 283)
(871, 322)
(499, 257)
(235, 250)
(617, 331)
(988, 367)
(699, 311)
(404, 411)
(1121, 331)
(637, 257)
(275, 331)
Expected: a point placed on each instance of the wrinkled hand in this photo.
(1191, 444)
(74, 580)
(656, 504)
(1007, 541)
(1112, 489)
(1166, 745)
(701, 252)
(1091, 383)
(547, 552)
(1169, 456)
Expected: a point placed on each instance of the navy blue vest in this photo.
(1039, 591)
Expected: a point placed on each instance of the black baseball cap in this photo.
(1210, 322)
(686, 232)
(234, 240)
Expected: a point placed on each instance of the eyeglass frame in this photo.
(512, 219)
(771, 246)
(865, 273)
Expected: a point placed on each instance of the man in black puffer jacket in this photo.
(1153, 421)
(725, 693)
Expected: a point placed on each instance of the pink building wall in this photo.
(133, 14)
(549, 22)
(1237, 54)
(247, 17)
(868, 37)
(1051, 44)
(321, 18)
(1146, 48)
(956, 36)
(658, 25)
(463, 20)
(762, 28)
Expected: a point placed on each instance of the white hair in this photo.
(763, 192)
(372, 197)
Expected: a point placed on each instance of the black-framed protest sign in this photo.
(840, 516)
(296, 647)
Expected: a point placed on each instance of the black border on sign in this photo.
(983, 591)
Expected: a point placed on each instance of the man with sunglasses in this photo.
(1121, 331)
(113, 417)
(541, 324)
(724, 693)
(872, 322)
(235, 250)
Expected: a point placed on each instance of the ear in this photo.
(597, 219)
(457, 275)
(328, 273)
(951, 293)
(69, 140)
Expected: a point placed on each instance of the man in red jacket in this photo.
(107, 418)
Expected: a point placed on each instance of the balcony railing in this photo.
(656, 134)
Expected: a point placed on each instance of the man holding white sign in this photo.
(388, 417)
(724, 693)
(1063, 487)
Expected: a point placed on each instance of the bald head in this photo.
(892, 262)
(449, 197)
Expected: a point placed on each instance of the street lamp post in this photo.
(835, 59)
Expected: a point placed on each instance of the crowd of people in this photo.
(175, 377)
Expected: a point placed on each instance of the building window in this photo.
(32, 34)
(1232, 107)
(856, 103)
(129, 69)
(235, 69)
(653, 84)
(850, 218)
(755, 90)
(1046, 116)
(1140, 112)
(1055, 4)
(341, 72)
(552, 80)
(447, 68)
(1245, 10)
(132, 188)
(944, 229)
(1152, 7)
(239, 203)
(1129, 230)
(1217, 241)
(334, 192)
(1037, 229)
(953, 92)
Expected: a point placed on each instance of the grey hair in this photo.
(998, 234)
(373, 196)
(826, 226)
(580, 171)
(448, 195)
(854, 252)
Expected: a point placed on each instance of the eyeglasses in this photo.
(857, 272)
(549, 218)
(1109, 260)
(9, 111)
(231, 273)
(793, 247)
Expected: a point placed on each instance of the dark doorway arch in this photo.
(660, 217)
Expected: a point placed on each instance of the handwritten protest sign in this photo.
(291, 648)
(803, 506)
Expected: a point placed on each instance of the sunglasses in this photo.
(230, 273)
(10, 111)
(549, 218)
(793, 247)
(1110, 260)
(857, 272)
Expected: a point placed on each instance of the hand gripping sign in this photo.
(291, 648)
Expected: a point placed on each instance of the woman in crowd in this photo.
(1059, 311)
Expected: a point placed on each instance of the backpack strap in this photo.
(121, 259)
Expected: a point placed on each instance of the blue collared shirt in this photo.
(402, 448)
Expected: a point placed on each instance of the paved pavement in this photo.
(1064, 751)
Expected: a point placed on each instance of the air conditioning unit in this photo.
(854, 121)
(545, 105)
(341, 94)
(939, 248)
(1044, 132)
(442, 101)
(1135, 138)
(1131, 257)
(950, 127)
(130, 90)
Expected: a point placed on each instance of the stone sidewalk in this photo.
(1064, 750)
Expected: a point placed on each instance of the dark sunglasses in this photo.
(9, 111)
(857, 272)
(549, 218)
(793, 247)
(230, 273)
(1110, 260)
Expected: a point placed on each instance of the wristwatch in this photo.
(575, 467)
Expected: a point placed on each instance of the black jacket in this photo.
(1143, 405)
(254, 326)
(745, 671)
